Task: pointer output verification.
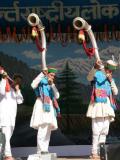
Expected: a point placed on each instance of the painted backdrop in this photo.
(73, 66)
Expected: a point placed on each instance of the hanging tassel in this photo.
(39, 45)
(34, 32)
(89, 51)
(7, 87)
(35, 35)
(81, 36)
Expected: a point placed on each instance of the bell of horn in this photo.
(33, 19)
(78, 23)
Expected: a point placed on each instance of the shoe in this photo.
(44, 152)
(95, 157)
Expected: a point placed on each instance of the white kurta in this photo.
(102, 114)
(101, 109)
(8, 105)
(39, 116)
(8, 110)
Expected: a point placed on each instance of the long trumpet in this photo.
(79, 24)
(4, 73)
(35, 21)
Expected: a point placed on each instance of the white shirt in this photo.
(8, 104)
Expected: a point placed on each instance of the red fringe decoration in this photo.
(107, 33)
(89, 51)
(59, 32)
(8, 31)
(39, 45)
(51, 33)
(7, 87)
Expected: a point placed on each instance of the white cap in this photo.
(112, 65)
(111, 62)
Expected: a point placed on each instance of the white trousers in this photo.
(8, 131)
(100, 129)
(43, 138)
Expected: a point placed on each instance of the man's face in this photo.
(108, 71)
(51, 76)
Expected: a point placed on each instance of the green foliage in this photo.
(69, 98)
(70, 101)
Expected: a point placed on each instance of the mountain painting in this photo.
(73, 66)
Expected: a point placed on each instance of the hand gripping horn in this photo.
(35, 22)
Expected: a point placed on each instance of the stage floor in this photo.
(59, 158)
(74, 158)
(61, 151)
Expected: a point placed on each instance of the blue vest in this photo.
(102, 87)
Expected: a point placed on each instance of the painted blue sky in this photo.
(28, 53)
(57, 54)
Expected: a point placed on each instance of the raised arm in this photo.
(114, 87)
(91, 74)
(19, 97)
(56, 93)
(112, 83)
(37, 80)
(2, 87)
(97, 66)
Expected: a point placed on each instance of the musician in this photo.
(45, 109)
(10, 96)
(102, 104)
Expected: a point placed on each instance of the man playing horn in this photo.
(45, 109)
(10, 96)
(102, 104)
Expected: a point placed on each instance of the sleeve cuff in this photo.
(18, 92)
(53, 85)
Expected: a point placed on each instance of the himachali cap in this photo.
(52, 70)
(112, 65)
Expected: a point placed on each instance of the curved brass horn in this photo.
(33, 19)
(79, 23)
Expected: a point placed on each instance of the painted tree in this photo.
(70, 98)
